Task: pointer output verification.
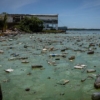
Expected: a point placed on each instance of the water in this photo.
(43, 83)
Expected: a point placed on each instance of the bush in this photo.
(32, 24)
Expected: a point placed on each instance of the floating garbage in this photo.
(1, 51)
(72, 58)
(9, 70)
(91, 70)
(52, 62)
(44, 50)
(63, 82)
(36, 66)
(27, 89)
(88, 77)
(63, 50)
(12, 58)
(57, 55)
(96, 96)
(80, 66)
(90, 52)
(22, 58)
(25, 46)
(25, 61)
(97, 82)
(10, 39)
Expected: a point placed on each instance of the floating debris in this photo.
(24, 61)
(72, 58)
(63, 82)
(91, 70)
(1, 51)
(9, 70)
(12, 58)
(97, 82)
(36, 66)
(79, 66)
(96, 96)
(90, 52)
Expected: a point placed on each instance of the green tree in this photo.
(32, 24)
(4, 23)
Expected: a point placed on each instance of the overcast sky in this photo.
(72, 13)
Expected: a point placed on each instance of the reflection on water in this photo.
(49, 82)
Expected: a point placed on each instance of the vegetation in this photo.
(3, 23)
(32, 24)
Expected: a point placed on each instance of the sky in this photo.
(71, 13)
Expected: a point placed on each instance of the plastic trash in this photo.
(80, 66)
(96, 96)
(25, 61)
(90, 52)
(57, 55)
(12, 58)
(1, 51)
(97, 82)
(9, 70)
(91, 70)
(36, 66)
(71, 58)
(63, 82)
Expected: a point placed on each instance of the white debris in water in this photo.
(1, 51)
(9, 70)
(80, 66)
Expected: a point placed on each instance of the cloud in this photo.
(91, 4)
(15, 4)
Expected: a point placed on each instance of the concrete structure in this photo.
(49, 21)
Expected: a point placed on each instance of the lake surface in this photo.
(27, 83)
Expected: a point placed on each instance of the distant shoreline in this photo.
(79, 29)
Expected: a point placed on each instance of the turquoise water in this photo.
(43, 82)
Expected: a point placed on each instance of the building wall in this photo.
(48, 20)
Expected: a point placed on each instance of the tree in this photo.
(32, 24)
(3, 22)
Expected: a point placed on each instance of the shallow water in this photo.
(43, 82)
